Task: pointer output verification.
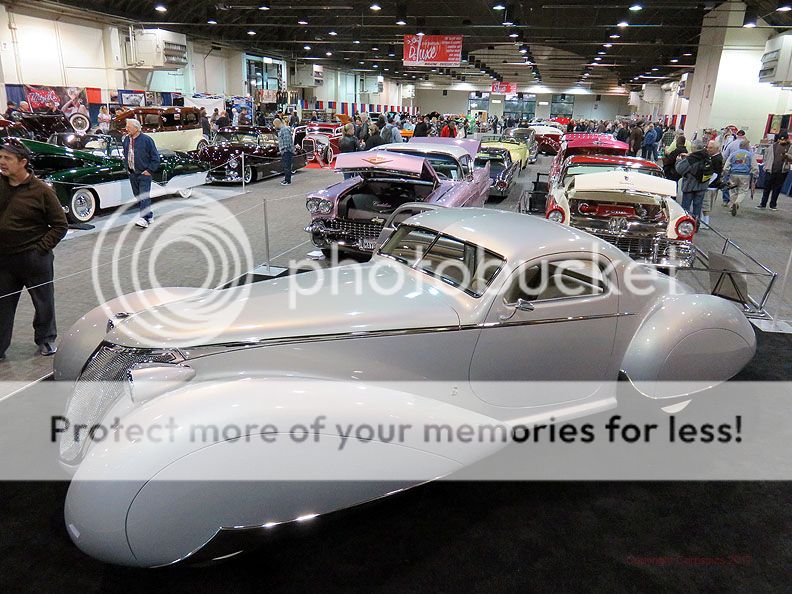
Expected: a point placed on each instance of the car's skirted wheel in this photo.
(80, 122)
(249, 174)
(202, 145)
(82, 206)
(185, 192)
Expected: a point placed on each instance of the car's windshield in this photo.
(497, 163)
(574, 170)
(238, 137)
(466, 266)
(445, 165)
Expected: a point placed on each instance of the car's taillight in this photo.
(686, 227)
(556, 215)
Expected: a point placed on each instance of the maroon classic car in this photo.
(259, 145)
(352, 213)
(319, 140)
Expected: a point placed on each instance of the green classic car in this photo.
(517, 149)
(90, 179)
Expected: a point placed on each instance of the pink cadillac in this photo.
(352, 213)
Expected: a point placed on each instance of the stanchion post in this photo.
(244, 189)
(783, 289)
(266, 236)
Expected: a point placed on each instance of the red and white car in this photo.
(548, 138)
(636, 212)
(584, 143)
(319, 140)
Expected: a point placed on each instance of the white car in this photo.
(447, 322)
(636, 212)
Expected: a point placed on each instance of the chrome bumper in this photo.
(348, 235)
(654, 250)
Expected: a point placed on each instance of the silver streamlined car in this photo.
(483, 299)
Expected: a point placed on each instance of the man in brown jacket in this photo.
(32, 222)
(636, 139)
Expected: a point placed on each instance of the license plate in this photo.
(366, 244)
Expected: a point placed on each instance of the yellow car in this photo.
(517, 149)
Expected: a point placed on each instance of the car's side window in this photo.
(558, 279)
(467, 165)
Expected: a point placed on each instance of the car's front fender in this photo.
(262, 461)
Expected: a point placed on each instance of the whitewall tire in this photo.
(82, 206)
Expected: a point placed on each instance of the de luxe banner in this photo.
(432, 50)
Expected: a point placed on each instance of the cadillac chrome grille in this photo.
(355, 229)
(101, 383)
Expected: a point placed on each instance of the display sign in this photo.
(504, 88)
(432, 50)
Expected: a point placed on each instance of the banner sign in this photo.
(432, 50)
(504, 88)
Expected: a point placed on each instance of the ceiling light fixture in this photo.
(333, 33)
(750, 18)
(375, 7)
(514, 35)
(401, 22)
(784, 6)
(211, 21)
(356, 42)
(251, 32)
(161, 8)
(687, 54)
(264, 6)
(302, 22)
(623, 24)
(328, 54)
(499, 6)
(608, 45)
(306, 47)
(655, 69)
(674, 61)
(375, 49)
(598, 58)
(602, 53)
(635, 7)
(615, 36)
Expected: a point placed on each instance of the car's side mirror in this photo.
(524, 305)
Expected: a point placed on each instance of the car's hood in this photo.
(278, 309)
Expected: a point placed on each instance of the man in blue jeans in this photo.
(143, 159)
(286, 146)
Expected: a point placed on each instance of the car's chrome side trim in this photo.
(211, 349)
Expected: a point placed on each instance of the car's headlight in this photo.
(233, 163)
(312, 204)
(325, 206)
(686, 228)
(556, 215)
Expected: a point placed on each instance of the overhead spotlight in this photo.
(598, 58)
(161, 8)
(524, 49)
(386, 69)
(211, 21)
(361, 62)
(421, 22)
(514, 35)
(602, 53)
(635, 7)
(376, 65)
(264, 6)
(306, 47)
(356, 42)
(608, 45)
(332, 33)
(302, 22)
(784, 6)
(375, 49)
(375, 7)
(251, 32)
(391, 51)
(687, 54)
(328, 54)
(615, 36)
(401, 22)
(655, 69)
(674, 61)
(623, 24)
(499, 6)
(750, 18)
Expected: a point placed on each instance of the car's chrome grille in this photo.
(657, 250)
(355, 229)
(103, 380)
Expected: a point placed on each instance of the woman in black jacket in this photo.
(374, 138)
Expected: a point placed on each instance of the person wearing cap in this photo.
(776, 166)
(32, 222)
(142, 159)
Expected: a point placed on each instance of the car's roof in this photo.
(248, 129)
(425, 147)
(611, 160)
(517, 237)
